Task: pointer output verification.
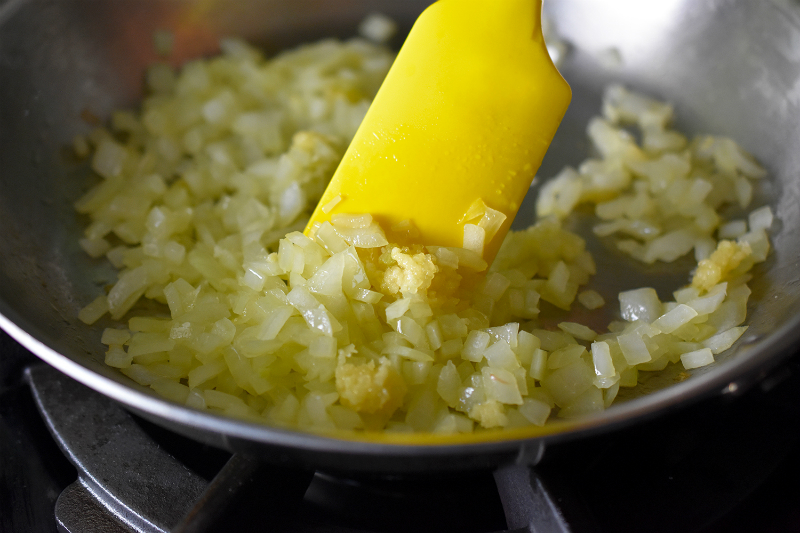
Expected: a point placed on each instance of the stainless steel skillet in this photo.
(730, 67)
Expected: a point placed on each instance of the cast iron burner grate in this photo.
(688, 471)
(127, 480)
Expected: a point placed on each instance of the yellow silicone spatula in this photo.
(464, 116)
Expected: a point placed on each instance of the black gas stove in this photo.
(725, 464)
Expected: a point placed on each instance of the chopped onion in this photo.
(672, 320)
(591, 299)
(601, 355)
(697, 358)
(203, 196)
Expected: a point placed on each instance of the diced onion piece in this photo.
(407, 228)
(538, 364)
(327, 208)
(526, 344)
(724, 340)
(109, 158)
(558, 278)
(535, 411)
(495, 285)
(685, 295)
(744, 191)
(491, 221)
(469, 259)
(453, 326)
(633, 349)
(343, 220)
(622, 105)
(697, 358)
(220, 400)
(146, 343)
(566, 384)
(115, 336)
(196, 400)
(416, 372)
(732, 311)
(703, 248)
(291, 204)
(501, 385)
(758, 242)
(553, 340)
(709, 303)
(608, 382)
(591, 401)
(377, 27)
(672, 320)
(579, 331)
(366, 295)
(95, 247)
(474, 238)
(344, 417)
(475, 210)
(449, 384)
(475, 345)
(433, 330)
(326, 235)
(398, 308)
(565, 356)
(444, 256)
(640, 304)
(92, 312)
(130, 286)
(732, 229)
(500, 355)
(591, 299)
(451, 348)
(412, 331)
(669, 246)
(371, 236)
(559, 195)
(117, 357)
(324, 347)
(140, 374)
(328, 278)
(610, 394)
(171, 390)
(760, 219)
(601, 356)
(508, 333)
(201, 374)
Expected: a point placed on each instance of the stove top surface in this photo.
(725, 464)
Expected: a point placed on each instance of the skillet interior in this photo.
(730, 67)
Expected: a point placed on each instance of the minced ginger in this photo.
(411, 274)
(367, 388)
(728, 256)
